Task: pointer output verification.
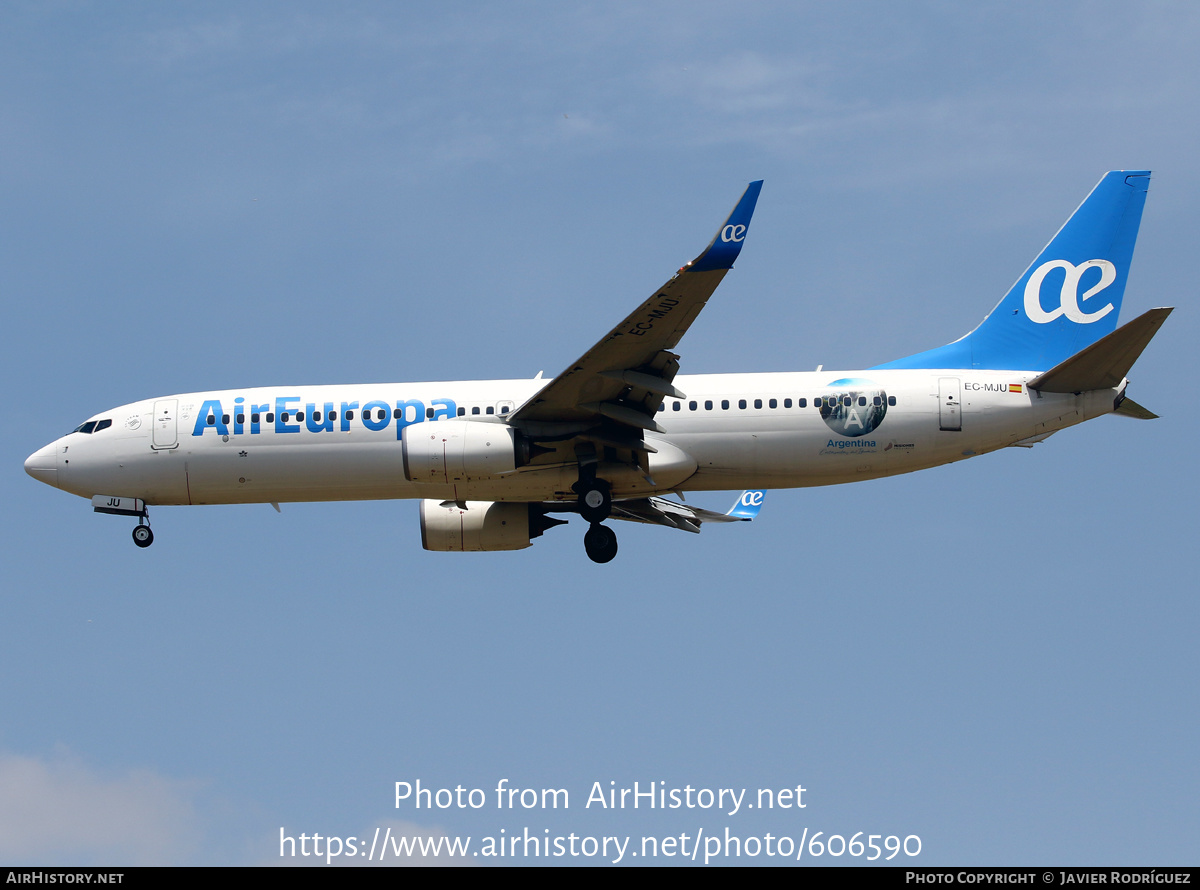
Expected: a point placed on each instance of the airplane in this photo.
(620, 430)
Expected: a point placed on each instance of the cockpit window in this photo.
(93, 426)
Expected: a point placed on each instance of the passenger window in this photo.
(742, 403)
(349, 416)
(662, 406)
(398, 413)
(241, 418)
(876, 401)
(692, 406)
(724, 404)
(380, 414)
(862, 401)
(675, 406)
(892, 401)
(254, 418)
(462, 411)
(503, 410)
(491, 410)
(284, 416)
(270, 417)
(787, 403)
(758, 403)
(774, 403)
(802, 403)
(225, 418)
(708, 404)
(475, 410)
(212, 421)
(429, 414)
(847, 401)
(332, 416)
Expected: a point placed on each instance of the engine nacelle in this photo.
(457, 450)
(483, 525)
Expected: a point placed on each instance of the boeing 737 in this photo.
(619, 431)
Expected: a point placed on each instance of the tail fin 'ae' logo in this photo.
(1069, 297)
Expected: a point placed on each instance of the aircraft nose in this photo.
(42, 465)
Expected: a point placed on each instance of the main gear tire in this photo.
(600, 542)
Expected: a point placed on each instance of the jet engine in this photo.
(481, 525)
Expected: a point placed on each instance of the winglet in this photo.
(748, 504)
(727, 243)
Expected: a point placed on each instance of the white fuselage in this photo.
(247, 446)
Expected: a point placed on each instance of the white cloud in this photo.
(57, 810)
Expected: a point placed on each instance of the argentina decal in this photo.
(855, 407)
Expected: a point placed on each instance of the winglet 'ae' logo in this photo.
(733, 233)
(1069, 298)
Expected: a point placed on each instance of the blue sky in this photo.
(996, 656)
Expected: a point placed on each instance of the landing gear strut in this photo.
(600, 542)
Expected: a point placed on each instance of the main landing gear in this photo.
(600, 542)
(595, 506)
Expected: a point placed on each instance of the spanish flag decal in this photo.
(1014, 387)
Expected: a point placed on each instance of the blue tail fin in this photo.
(1068, 298)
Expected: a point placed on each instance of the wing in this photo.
(622, 379)
(672, 514)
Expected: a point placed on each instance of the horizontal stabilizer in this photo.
(1130, 408)
(1104, 364)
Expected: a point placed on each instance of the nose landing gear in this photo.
(142, 536)
(118, 506)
